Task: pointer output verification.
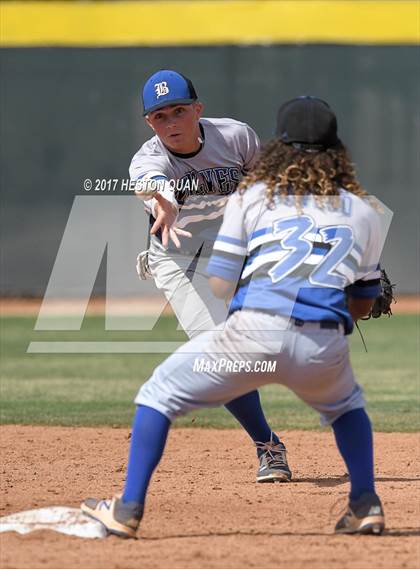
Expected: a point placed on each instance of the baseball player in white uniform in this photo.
(191, 166)
(304, 241)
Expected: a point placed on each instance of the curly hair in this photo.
(292, 170)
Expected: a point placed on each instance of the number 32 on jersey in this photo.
(297, 238)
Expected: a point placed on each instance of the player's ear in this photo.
(198, 106)
(149, 122)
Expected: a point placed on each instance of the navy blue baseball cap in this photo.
(309, 122)
(167, 87)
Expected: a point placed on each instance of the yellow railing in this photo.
(194, 22)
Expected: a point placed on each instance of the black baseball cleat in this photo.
(273, 463)
(363, 516)
(117, 517)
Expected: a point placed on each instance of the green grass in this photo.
(92, 389)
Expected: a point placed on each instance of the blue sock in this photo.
(150, 430)
(248, 411)
(353, 434)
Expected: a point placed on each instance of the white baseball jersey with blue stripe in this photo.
(300, 263)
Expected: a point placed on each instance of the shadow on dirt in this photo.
(400, 532)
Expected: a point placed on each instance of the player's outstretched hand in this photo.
(166, 214)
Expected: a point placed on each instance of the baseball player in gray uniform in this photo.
(311, 240)
(187, 171)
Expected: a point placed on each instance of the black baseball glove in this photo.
(382, 304)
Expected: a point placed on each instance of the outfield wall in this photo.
(73, 113)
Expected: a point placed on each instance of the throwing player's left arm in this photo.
(252, 147)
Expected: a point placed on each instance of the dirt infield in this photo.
(204, 508)
(137, 306)
(406, 304)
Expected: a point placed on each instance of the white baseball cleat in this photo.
(364, 515)
(117, 517)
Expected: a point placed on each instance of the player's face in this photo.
(177, 126)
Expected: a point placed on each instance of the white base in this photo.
(70, 521)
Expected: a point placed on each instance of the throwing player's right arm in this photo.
(161, 204)
(165, 214)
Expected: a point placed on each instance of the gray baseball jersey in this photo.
(201, 181)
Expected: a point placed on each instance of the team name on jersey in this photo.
(218, 181)
(329, 203)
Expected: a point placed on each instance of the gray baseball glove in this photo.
(142, 266)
